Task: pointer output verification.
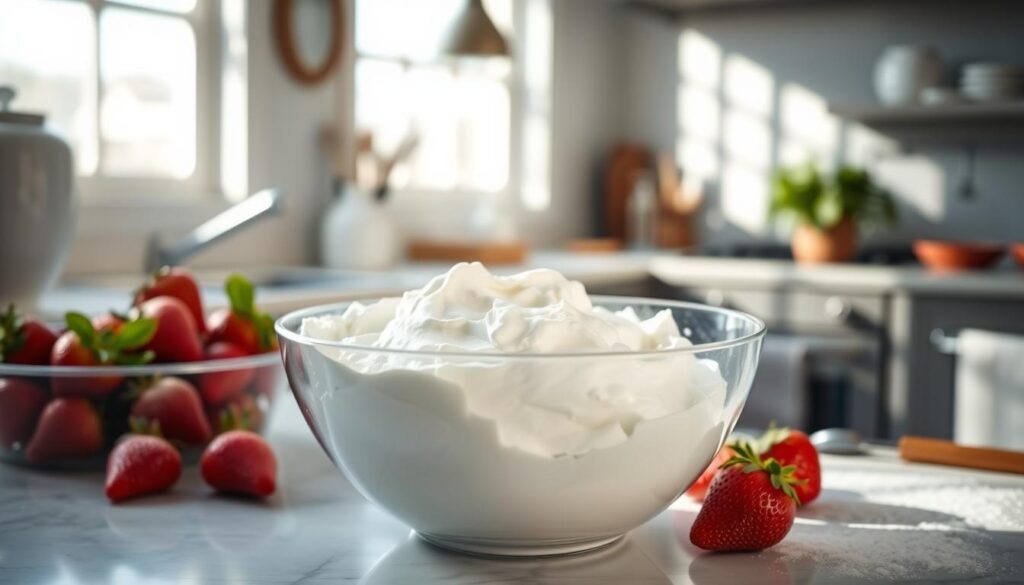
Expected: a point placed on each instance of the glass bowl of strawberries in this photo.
(163, 367)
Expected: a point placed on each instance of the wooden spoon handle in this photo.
(925, 450)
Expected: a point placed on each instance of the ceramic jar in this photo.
(37, 205)
(903, 71)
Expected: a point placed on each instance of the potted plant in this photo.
(828, 210)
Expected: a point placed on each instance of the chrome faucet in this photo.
(258, 205)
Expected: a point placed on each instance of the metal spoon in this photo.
(838, 441)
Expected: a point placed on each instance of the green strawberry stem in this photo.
(242, 296)
(112, 347)
(11, 337)
(772, 436)
(781, 477)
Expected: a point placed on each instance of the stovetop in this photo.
(873, 255)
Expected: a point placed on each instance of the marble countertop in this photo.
(594, 270)
(1002, 282)
(878, 520)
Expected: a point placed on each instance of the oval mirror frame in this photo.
(287, 44)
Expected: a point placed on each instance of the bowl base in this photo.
(517, 549)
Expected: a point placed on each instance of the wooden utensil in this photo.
(624, 165)
(490, 253)
(942, 452)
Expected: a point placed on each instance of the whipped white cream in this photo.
(544, 405)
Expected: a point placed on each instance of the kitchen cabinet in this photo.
(845, 336)
(922, 397)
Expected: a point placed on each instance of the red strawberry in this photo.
(84, 345)
(71, 351)
(141, 465)
(242, 413)
(108, 321)
(20, 405)
(240, 462)
(242, 324)
(750, 504)
(176, 338)
(219, 387)
(174, 282)
(699, 489)
(174, 407)
(68, 428)
(24, 340)
(793, 447)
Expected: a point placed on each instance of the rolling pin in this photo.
(925, 450)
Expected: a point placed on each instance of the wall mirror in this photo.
(308, 34)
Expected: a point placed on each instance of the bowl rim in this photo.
(759, 331)
(151, 369)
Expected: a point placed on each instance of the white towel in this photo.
(989, 407)
(779, 391)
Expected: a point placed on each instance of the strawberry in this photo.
(177, 337)
(793, 447)
(84, 345)
(68, 427)
(699, 489)
(108, 321)
(242, 324)
(219, 387)
(240, 462)
(243, 412)
(750, 504)
(175, 282)
(172, 408)
(20, 405)
(141, 465)
(24, 340)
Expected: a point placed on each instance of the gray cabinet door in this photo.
(931, 374)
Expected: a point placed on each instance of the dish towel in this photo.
(989, 405)
(779, 391)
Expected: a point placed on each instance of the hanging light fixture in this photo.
(473, 34)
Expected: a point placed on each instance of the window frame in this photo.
(513, 83)
(203, 185)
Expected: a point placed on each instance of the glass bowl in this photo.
(526, 454)
(38, 386)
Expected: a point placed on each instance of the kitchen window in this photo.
(129, 83)
(461, 109)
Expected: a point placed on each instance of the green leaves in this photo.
(114, 346)
(823, 202)
(781, 477)
(242, 295)
(11, 337)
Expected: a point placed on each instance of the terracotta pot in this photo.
(837, 244)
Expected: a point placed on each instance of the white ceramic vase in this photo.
(358, 233)
(903, 71)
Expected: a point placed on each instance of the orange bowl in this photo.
(946, 255)
(1017, 251)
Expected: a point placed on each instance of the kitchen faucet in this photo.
(258, 205)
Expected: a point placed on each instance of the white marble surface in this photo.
(1003, 281)
(879, 520)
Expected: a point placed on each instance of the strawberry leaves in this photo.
(114, 347)
(242, 295)
(781, 477)
(11, 337)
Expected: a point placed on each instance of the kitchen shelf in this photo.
(962, 123)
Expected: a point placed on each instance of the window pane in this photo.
(181, 6)
(47, 52)
(462, 120)
(414, 28)
(148, 108)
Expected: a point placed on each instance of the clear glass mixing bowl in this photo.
(459, 445)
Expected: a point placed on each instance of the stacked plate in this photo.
(992, 82)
